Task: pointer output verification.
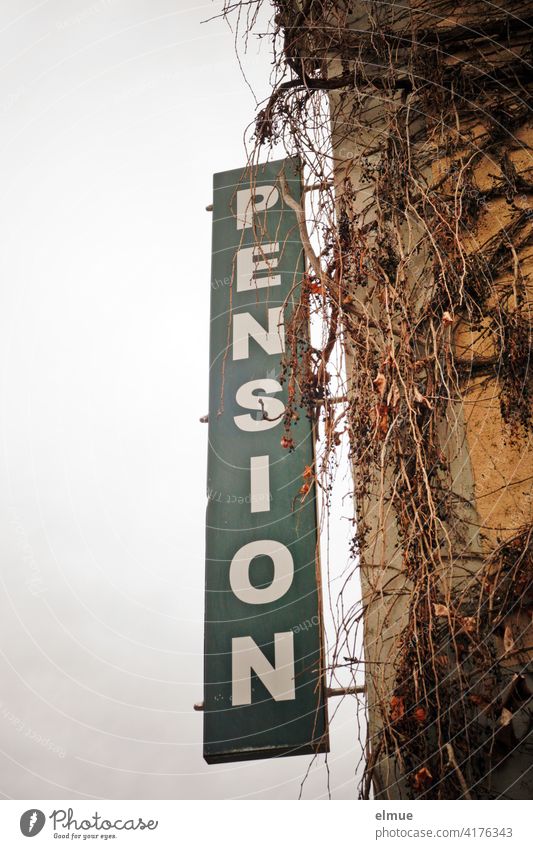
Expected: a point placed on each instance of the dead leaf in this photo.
(508, 640)
(316, 288)
(420, 714)
(422, 778)
(447, 318)
(383, 419)
(421, 399)
(308, 472)
(397, 708)
(380, 382)
(441, 610)
(393, 397)
(505, 717)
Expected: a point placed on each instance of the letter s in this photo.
(273, 407)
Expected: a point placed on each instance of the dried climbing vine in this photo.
(413, 123)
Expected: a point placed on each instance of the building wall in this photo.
(490, 461)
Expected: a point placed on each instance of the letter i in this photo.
(259, 484)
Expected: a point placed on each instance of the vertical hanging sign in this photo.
(264, 693)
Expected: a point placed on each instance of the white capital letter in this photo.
(260, 484)
(239, 572)
(273, 407)
(271, 340)
(252, 201)
(252, 260)
(278, 679)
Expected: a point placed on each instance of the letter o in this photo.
(239, 573)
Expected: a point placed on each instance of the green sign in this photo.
(264, 678)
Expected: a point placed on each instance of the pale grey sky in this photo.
(113, 116)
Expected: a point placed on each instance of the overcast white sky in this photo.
(114, 114)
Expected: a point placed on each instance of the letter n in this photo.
(247, 657)
(271, 340)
